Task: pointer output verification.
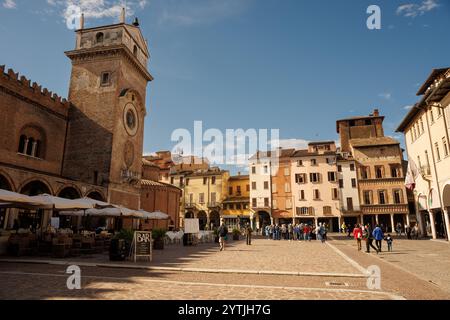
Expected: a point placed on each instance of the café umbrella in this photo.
(12, 199)
(57, 203)
(155, 215)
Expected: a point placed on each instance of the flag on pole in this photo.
(411, 175)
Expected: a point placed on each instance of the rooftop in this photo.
(371, 142)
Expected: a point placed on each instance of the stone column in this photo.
(316, 221)
(340, 224)
(25, 148)
(447, 223)
(208, 220)
(408, 222)
(362, 219)
(33, 149)
(376, 219)
(392, 223)
(433, 226)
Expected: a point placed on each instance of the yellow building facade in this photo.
(203, 194)
(236, 207)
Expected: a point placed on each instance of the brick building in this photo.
(380, 169)
(91, 144)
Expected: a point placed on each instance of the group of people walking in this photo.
(365, 233)
(296, 232)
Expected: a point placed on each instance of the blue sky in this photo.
(295, 65)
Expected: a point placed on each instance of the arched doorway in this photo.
(69, 193)
(69, 221)
(446, 203)
(215, 219)
(32, 218)
(189, 215)
(5, 185)
(263, 219)
(96, 196)
(35, 188)
(202, 220)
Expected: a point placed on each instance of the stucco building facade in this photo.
(427, 129)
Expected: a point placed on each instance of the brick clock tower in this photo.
(106, 119)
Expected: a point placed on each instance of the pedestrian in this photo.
(248, 233)
(389, 241)
(368, 237)
(408, 231)
(349, 231)
(319, 231)
(357, 234)
(416, 232)
(399, 229)
(324, 232)
(290, 232)
(379, 236)
(343, 227)
(307, 232)
(223, 233)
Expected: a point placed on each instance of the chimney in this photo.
(376, 113)
(82, 21)
(122, 16)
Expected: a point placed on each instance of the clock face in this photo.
(130, 119)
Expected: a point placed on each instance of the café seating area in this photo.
(61, 244)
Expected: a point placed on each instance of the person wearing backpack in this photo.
(368, 237)
(379, 236)
(223, 232)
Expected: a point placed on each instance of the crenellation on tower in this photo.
(12, 81)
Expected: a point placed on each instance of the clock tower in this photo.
(107, 93)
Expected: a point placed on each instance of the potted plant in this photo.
(236, 234)
(158, 236)
(120, 245)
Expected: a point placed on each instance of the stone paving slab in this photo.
(426, 259)
(262, 257)
(407, 275)
(53, 287)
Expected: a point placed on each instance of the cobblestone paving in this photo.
(262, 255)
(419, 261)
(22, 284)
(415, 269)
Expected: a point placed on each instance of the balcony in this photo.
(350, 209)
(305, 212)
(190, 205)
(385, 208)
(214, 205)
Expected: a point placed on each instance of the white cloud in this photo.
(407, 107)
(97, 9)
(385, 95)
(9, 4)
(290, 143)
(188, 12)
(413, 10)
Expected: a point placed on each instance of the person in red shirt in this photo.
(357, 234)
(307, 233)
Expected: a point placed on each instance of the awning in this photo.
(62, 204)
(13, 200)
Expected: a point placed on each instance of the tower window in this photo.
(22, 142)
(105, 79)
(135, 51)
(99, 37)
